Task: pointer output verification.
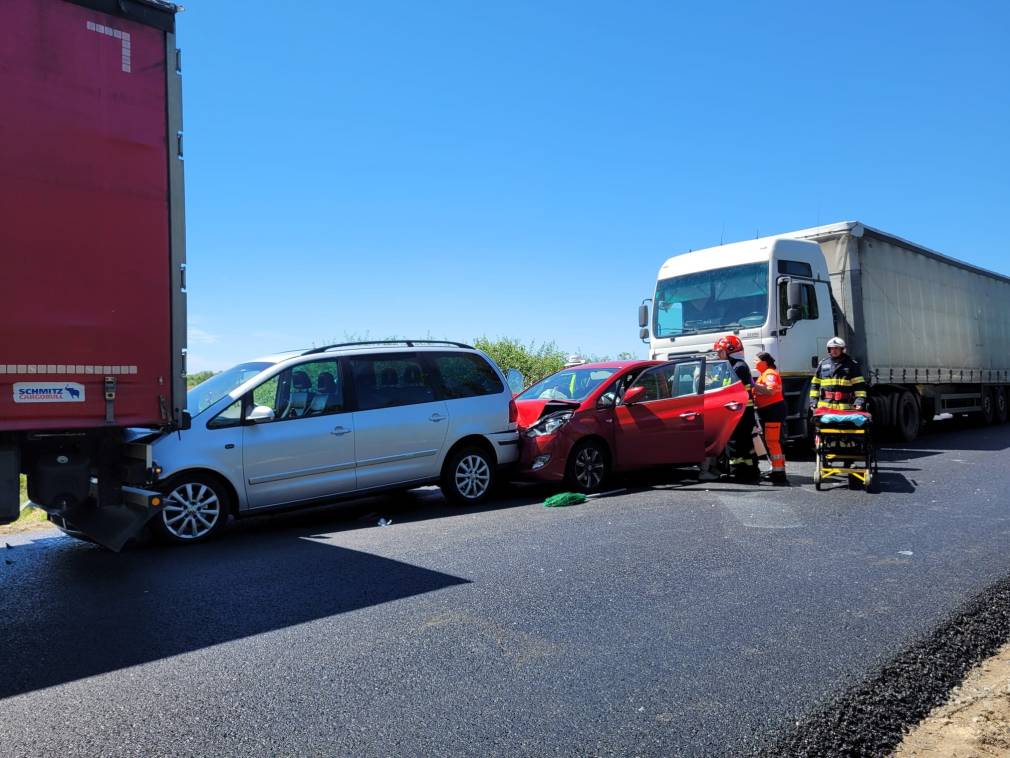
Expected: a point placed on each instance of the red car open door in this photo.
(725, 401)
(660, 420)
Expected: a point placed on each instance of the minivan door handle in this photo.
(436, 417)
(340, 431)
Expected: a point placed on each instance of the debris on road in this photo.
(564, 499)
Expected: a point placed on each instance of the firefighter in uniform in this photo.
(771, 410)
(838, 383)
(743, 462)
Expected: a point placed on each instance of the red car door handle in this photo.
(733, 405)
(690, 414)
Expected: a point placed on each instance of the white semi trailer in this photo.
(932, 333)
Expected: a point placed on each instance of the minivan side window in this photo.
(388, 381)
(466, 375)
(308, 389)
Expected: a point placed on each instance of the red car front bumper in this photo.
(533, 450)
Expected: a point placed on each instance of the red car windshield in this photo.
(568, 384)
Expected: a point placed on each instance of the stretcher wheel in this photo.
(817, 472)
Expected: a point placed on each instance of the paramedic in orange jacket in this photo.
(771, 409)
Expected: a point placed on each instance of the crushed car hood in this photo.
(530, 411)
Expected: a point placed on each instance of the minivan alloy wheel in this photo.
(191, 511)
(473, 476)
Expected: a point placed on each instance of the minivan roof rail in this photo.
(408, 343)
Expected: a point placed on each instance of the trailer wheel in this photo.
(908, 418)
(196, 508)
(1000, 401)
(988, 412)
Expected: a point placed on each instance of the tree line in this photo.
(532, 360)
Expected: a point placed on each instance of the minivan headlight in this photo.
(549, 424)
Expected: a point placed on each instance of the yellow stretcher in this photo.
(844, 451)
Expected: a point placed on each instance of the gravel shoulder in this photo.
(975, 720)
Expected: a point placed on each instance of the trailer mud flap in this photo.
(10, 490)
(110, 526)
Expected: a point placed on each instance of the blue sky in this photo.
(458, 169)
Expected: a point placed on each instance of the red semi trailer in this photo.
(92, 293)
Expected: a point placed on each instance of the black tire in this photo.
(1000, 400)
(196, 508)
(588, 467)
(817, 472)
(468, 476)
(907, 418)
(988, 412)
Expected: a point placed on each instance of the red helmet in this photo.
(730, 343)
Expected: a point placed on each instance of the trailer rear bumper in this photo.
(110, 526)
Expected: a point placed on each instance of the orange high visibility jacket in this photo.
(771, 379)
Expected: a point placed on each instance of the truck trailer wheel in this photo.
(1000, 402)
(196, 508)
(988, 413)
(907, 419)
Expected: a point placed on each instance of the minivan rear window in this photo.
(466, 375)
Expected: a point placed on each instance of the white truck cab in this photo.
(744, 289)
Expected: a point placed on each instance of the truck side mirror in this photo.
(794, 302)
(643, 318)
(643, 333)
(794, 294)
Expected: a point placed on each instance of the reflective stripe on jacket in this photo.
(838, 385)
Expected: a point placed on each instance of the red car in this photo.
(586, 421)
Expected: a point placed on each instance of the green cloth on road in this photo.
(565, 498)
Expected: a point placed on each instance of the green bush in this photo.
(533, 362)
(200, 376)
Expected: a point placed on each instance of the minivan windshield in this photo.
(205, 394)
(568, 384)
(713, 300)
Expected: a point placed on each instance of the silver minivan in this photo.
(335, 421)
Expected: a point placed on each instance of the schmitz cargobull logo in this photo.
(48, 392)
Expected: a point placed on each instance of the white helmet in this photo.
(836, 342)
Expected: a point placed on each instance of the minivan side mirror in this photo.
(259, 414)
(516, 380)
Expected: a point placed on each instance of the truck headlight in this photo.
(549, 424)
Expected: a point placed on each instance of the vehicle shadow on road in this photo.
(400, 507)
(79, 611)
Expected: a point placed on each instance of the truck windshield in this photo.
(568, 384)
(710, 301)
(205, 394)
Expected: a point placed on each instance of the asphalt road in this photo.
(674, 619)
